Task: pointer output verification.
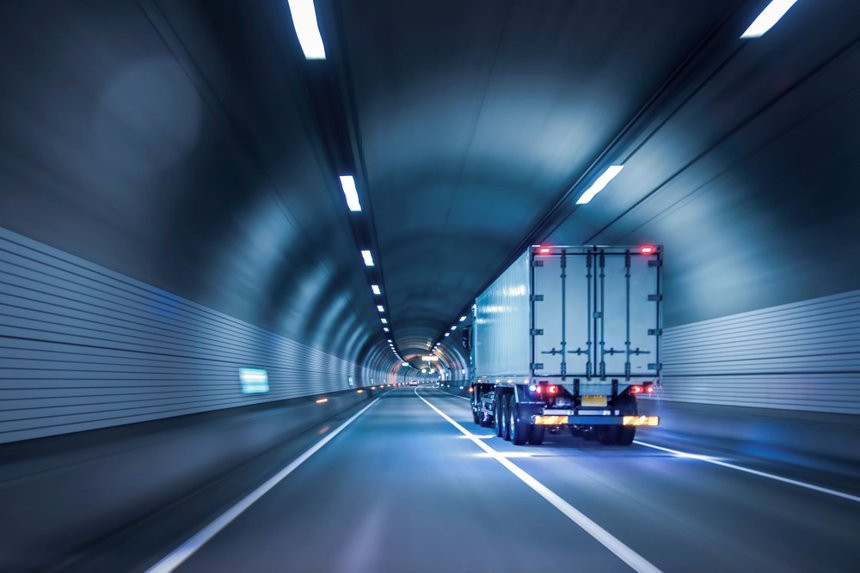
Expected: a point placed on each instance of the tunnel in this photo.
(408, 286)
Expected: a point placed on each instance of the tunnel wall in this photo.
(83, 347)
(801, 356)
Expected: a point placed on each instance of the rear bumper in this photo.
(553, 419)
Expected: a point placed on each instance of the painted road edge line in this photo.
(179, 555)
(710, 460)
(622, 551)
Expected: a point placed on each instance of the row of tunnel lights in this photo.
(350, 192)
(304, 18)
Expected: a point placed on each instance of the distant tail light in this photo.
(649, 389)
(552, 389)
(636, 389)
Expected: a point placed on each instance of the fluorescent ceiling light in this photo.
(768, 17)
(348, 184)
(380, 308)
(462, 318)
(404, 364)
(385, 329)
(599, 184)
(368, 258)
(447, 333)
(375, 289)
(305, 21)
(384, 321)
(454, 327)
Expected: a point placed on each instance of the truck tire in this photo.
(506, 417)
(519, 428)
(476, 416)
(608, 435)
(627, 406)
(536, 434)
(499, 429)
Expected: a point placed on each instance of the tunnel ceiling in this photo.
(190, 144)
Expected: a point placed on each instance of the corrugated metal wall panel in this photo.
(82, 347)
(804, 355)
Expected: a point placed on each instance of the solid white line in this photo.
(710, 460)
(633, 559)
(178, 556)
(716, 462)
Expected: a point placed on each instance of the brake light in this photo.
(552, 389)
(648, 250)
(649, 389)
(544, 250)
(636, 389)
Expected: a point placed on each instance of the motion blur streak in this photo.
(633, 559)
(717, 462)
(179, 555)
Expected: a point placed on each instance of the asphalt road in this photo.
(402, 489)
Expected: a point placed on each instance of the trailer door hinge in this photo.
(655, 297)
(537, 297)
(536, 331)
(655, 331)
(655, 366)
(537, 263)
(655, 263)
(536, 365)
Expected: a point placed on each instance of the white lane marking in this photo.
(710, 460)
(633, 559)
(179, 555)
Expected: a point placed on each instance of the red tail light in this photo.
(544, 250)
(552, 389)
(648, 250)
(649, 389)
(636, 389)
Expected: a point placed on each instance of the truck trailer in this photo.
(567, 338)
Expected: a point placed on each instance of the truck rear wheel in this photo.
(506, 418)
(627, 407)
(499, 424)
(536, 434)
(476, 415)
(608, 435)
(519, 428)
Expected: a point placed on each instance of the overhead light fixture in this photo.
(368, 258)
(404, 364)
(380, 308)
(384, 320)
(305, 21)
(599, 184)
(446, 334)
(375, 289)
(384, 329)
(348, 184)
(453, 328)
(430, 358)
(462, 318)
(768, 17)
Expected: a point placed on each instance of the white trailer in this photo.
(567, 337)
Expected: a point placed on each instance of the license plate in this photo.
(594, 400)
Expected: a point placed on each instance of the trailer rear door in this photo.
(595, 313)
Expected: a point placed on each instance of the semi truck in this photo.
(567, 338)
